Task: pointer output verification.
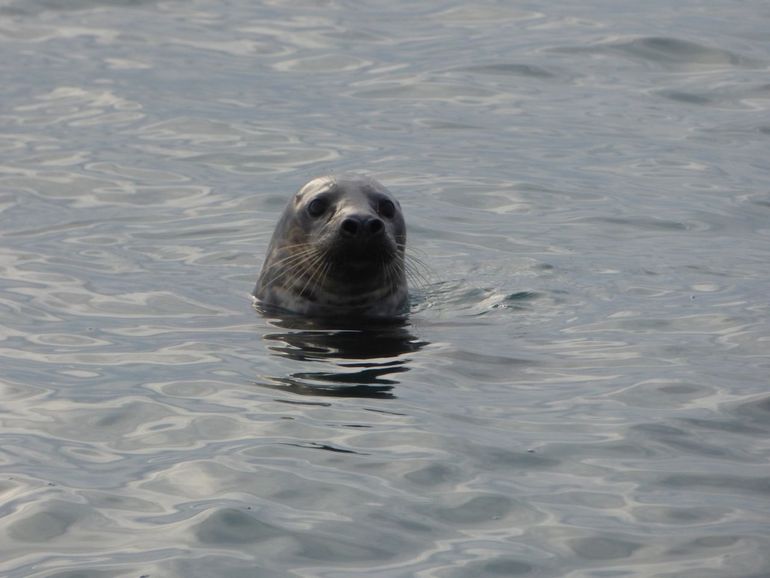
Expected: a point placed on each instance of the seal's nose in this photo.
(361, 226)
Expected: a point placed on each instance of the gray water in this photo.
(582, 387)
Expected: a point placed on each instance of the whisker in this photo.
(312, 270)
(321, 279)
(417, 271)
(290, 268)
(295, 255)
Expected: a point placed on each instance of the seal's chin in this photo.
(358, 265)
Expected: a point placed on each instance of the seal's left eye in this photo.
(387, 209)
(317, 207)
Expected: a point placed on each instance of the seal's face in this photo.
(337, 250)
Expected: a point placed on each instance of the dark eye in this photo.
(387, 209)
(317, 207)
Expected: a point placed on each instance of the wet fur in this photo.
(313, 270)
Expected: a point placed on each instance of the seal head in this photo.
(337, 250)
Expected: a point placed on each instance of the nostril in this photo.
(375, 226)
(349, 227)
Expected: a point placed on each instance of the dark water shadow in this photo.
(341, 358)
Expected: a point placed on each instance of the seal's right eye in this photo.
(387, 209)
(317, 207)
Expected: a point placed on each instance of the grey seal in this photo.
(337, 251)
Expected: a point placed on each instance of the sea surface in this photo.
(582, 388)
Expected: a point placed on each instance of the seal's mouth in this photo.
(362, 261)
(374, 250)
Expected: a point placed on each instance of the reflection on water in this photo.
(587, 185)
(341, 359)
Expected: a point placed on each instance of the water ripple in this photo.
(581, 387)
(669, 53)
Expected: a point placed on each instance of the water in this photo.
(582, 387)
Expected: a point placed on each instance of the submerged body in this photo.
(337, 251)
